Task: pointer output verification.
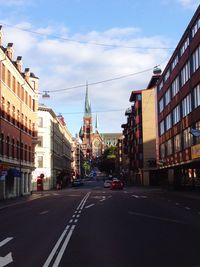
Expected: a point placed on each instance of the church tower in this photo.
(87, 127)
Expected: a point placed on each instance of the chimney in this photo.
(27, 74)
(9, 50)
(1, 36)
(19, 63)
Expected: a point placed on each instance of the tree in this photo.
(107, 161)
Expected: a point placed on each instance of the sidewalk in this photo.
(4, 203)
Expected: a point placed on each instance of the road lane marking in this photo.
(5, 241)
(53, 252)
(64, 238)
(44, 212)
(156, 217)
(64, 246)
(6, 260)
(187, 208)
(86, 207)
(76, 221)
(136, 196)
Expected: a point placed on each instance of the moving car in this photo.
(107, 183)
(116, 184)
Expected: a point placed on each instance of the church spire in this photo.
(88, 112)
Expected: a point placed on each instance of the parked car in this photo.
(107, 183)
(77, 182)
(116, 184)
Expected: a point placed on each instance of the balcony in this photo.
(138, 104)
(138, 119)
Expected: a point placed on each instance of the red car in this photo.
(116, 184)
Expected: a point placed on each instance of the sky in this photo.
(111, 44)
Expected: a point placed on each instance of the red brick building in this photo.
(178, 97)
(18, 107)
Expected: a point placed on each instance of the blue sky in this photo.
(62, 64)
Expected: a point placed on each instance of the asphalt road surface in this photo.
(90, 226)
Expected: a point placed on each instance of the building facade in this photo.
(178, 96)
(18, 132)
(140, 134)
(53, 158)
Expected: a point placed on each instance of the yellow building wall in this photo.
(149, 130)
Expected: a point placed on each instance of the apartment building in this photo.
(178, 97)
(53, 156)
(140, 134)
(18, 133)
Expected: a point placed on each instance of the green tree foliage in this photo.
(107, 161)
(87, 167)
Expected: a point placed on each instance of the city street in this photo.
(93, 226)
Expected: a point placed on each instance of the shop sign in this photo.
(195, 151)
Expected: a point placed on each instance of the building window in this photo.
(40, 122)
(40, 141)
(187, 138)
(13, 115)
(162, 150)
(40, 161)
(18, 149)
(197, 96)
(3, 73)
(195, 27)
(175, 86)
(174, 62)
(162, 127)
(8, 111)
(168, 121)
(3, 107)
(25, 152)
(185, 73)
(161, 104)
(184, 46)
(13, 148)
(167, 97)
(2, 144)
(196, 59)
(177, 143)
(176, 114)
(22, 151)
(186, 105)
(29, 154)
(160, 86)
(8, 146)
(13, 85)
(9, 79)
(169, 147)
(166, 75)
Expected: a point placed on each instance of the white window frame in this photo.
(175, 86)
(176, 114)
(186, 105)
(185, 73)
(168, 121)
(197, 96)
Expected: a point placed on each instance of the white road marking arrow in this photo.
(2, 243)
(6, 260)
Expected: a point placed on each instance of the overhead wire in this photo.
(85, 42)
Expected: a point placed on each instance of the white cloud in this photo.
(63, 64)
(189, 3)
(14, 2)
